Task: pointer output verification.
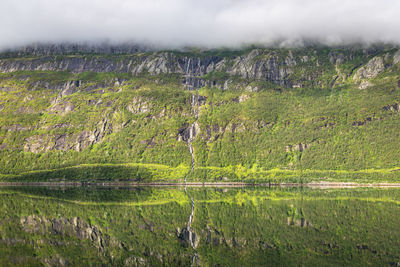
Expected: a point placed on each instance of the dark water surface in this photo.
(177, 226)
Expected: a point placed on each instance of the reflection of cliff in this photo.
(188, 237)
(74, 227)
(233, 227)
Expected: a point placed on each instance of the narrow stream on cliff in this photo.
(192, 129)
(194, 104)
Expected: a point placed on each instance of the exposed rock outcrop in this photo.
(188, 238)
(56, 260)
(371, 69)
(298, 222)
(241, 98)
(216, 238)
(396, 58)
(394, 107)
(76, 141)
(25, 110)
(259, 66)
(103, 128)
(188, 132)
(364, 85)
(43, 49)
(335, 58)
(15, 128)
(37, 144)
(139, 105)
(61, 108)
(297, 147)
(135, 262)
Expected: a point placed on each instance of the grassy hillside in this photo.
(314, 124)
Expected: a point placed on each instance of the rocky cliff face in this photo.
(288, 68)
(46, 49)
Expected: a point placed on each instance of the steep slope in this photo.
(254, 114)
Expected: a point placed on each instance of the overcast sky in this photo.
(204, 23)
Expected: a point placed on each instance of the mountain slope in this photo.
(255, 114)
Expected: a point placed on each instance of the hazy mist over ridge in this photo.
(206, 23)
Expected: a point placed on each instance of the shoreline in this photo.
(201, 184)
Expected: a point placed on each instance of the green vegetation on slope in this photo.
(59, 125)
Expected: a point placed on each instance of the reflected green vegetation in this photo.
(249, 226)
(137, 172)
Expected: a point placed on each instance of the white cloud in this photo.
(209, 23)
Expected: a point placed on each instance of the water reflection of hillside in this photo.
(233, 226)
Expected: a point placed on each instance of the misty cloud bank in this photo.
(202, 23)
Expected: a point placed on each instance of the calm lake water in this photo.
(177, 226)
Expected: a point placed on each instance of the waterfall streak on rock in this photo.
(194, 104)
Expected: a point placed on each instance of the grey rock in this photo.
(258, 64)
(297, 147)
(61, 108)
(298, 222)
(15, 128)
(135, 262)
(25, 110)
(371, 69)
(188, 238)
(82, 140)
(60, 142)
(139, 105)
(364, 85)
(43, 49)
(394, 107)
(396, 57)
(188, 132)
(76, 141)
(56, 260)
(336, 58)
(70, 87)
(36, 144)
